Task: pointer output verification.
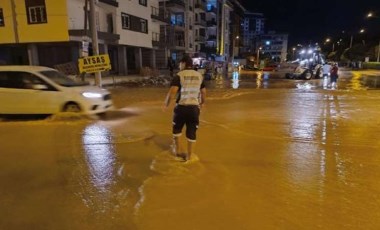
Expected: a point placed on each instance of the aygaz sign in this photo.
(92, 64)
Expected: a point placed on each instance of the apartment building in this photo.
(253, 27)
(29, 25)
(135, 33)
(274, 45)
(200, 26)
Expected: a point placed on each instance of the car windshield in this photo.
(61, 79)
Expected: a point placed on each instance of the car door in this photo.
(46, 99)
(13, 96)
(26, 93)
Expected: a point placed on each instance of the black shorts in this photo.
(189, 115)
(334, 78)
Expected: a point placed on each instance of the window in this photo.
(19, 80)
(142, 2)
(143, 25)
(36, 11)
(137, 24)
(125, 22)
(1, 17)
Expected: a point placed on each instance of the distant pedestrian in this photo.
(334, 75)
(326, 69)
(189, 88)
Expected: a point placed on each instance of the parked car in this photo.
(42, 90)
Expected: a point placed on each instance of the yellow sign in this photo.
(92, 64)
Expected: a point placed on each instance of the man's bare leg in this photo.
(175, 147)
(190, 149)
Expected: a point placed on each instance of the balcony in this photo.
(160, 16)
(211, 38)
(211, 23)
(179, 44)
(200, 38)
(155, 39)
(200, 23)
(109, 37)
(110, 2)
(178, 26)
(174, 5)
(201, 6)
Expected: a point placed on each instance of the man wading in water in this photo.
(188, 86)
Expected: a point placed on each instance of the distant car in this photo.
(270, 68)
(42, 90)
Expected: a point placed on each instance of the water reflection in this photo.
(315, 138)
(100, 156)
(356, 82)
(235, 80)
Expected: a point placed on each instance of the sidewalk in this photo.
(112, 80)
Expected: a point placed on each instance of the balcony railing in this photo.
(211, 38)
(200, 23)
(155, 39)
(201, 6)
(200, 38)
(174, 3)
(211, 23)
(160, 15)
(110, 2)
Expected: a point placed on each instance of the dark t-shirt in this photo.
(334, 71)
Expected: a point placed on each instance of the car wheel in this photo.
(307, 74)
(71, 107)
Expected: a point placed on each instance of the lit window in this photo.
(36, 11)
(125, 22)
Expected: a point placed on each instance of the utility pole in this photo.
(352, 38)
(95, 42)
(378, 52)
(15, 26)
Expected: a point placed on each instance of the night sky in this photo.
(313, 20)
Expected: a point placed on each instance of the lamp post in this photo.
(258, 57)
(95, 42)
(233, 49)
(294, 49)
(378, 52)
(370, 15)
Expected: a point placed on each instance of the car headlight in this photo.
(92, 95)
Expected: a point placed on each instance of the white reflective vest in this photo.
(191, 81)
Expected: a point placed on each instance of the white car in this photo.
(42, 90)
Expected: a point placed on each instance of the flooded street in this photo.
(273, 154)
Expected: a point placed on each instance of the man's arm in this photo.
(170, 96)
(203, 96)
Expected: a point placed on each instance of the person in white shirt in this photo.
(326, 69)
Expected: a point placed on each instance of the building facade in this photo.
(253, 27)
(274, 46)
(135, 33)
